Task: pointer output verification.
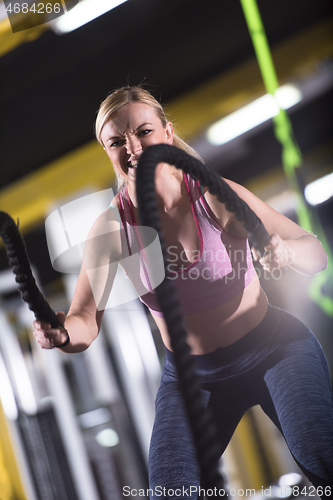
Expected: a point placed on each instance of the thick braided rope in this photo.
(225, 194)
(202, 427)
(19, 261)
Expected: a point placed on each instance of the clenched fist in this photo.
(278, 254)
(48, 337)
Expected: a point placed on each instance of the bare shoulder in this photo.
(273, 221)
(104, 234)
(107, 220)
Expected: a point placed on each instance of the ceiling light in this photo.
(320, 190)
(3, 11)
(83, 13)
(94, 417)
(107, 438)
(253, 114)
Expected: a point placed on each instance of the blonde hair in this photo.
(125, 95)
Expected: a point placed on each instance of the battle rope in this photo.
(202, 427)
(19, 261)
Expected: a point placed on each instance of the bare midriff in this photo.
(223, 325)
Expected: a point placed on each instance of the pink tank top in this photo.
(222, 269)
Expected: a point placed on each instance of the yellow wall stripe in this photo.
(31, 197)
(10, 481)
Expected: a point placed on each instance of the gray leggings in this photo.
(278, 365)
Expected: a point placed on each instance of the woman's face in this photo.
(130, 131)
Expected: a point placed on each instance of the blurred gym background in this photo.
(77, 427)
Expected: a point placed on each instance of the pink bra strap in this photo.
(123, 220)
(143, 254)
(194, 212)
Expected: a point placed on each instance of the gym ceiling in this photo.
(195, 56)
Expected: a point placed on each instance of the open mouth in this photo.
(133, 163)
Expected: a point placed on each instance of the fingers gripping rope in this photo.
(19, 261)
(200, 422)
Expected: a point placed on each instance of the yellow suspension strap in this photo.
(291, 154)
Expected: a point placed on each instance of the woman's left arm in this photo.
(289, 244)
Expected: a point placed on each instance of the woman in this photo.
(247, 352)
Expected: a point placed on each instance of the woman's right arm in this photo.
(101, 254)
